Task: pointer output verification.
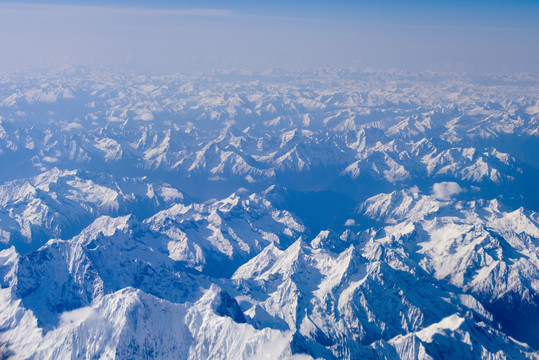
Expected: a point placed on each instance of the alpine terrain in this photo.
(315, 214)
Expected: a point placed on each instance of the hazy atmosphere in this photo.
(167, 36)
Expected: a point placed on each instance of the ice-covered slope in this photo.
(478, 246)
(90, 296)
(130, 323)
(218, 236)
(355, 303)
(59, 203)
(108, 255)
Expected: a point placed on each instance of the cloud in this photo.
(350, 222)
(445, 190)
(145, 116)
(49, 159)
(78, 316)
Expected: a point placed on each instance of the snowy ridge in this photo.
(58, 203)
(208, 236)
(333, 302)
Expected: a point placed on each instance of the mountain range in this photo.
(323, 213)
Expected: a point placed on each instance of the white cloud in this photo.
(77, 316)
(49, 159)
(241, 190)
(445, 190)
(350, 222)
(71, 126)
(145, 116)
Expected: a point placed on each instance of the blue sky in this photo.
(167, 36)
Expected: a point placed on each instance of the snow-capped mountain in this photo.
(60, 203)
(335, 214)
(216, 235)
(477, 246)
